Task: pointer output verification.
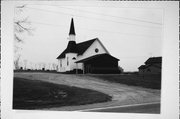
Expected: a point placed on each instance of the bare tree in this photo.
(21, 26)
(39, 66)
(35, 66)
(49, 66)
(54, 66)
(44, 66)
(31, 65)
(16, 62)
(25, 64)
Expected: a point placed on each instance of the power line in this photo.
(91, 29)
(47, 24)
(133, 19)
(130, 57)
(57, 12)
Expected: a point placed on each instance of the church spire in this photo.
(71, 48)
(72, 30)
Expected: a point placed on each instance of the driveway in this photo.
(153, 108)
(121, 94)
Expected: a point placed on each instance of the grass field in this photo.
(146, 81)
(33, 94)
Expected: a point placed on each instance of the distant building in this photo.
(152, 66)
(88, 57)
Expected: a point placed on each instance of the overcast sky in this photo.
(129, 34)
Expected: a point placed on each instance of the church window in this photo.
(74, 58)
(67, 61)
(96, 50)
(60, 63)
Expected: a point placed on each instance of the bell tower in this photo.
(71, 50)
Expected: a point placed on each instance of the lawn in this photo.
(152, 81)
(34, 94)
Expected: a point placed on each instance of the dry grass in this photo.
(152, 81)
(32, 94)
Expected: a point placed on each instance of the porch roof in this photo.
(95, 56)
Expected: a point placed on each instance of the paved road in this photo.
(151, 108)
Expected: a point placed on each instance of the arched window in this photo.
(60, 63)
(74, 58)
(67, 61)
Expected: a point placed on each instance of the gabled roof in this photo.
(96, 56)
(153, 60)
(149, 65)
(142, 67)
(83, 46)
(79, 48)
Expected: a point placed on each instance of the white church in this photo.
(86, 57)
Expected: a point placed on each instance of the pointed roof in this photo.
(153, 60)
(80, 48)
(149, 65)
(142, 67)
(72, 30)
(83, 46)
(71, 48)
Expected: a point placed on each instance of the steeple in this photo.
(71, 48)
(72, 30)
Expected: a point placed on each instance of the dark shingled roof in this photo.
(153, 60)
(83, 46)
(71, 47)
(79, 48)
(96, 56)
(142, 67)
(149, 65)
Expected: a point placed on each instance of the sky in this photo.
(129, 34)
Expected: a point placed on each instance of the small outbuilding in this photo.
(152, 66)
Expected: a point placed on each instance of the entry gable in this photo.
(94, 49)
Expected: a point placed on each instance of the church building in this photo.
(86, 57)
